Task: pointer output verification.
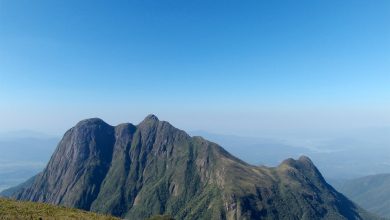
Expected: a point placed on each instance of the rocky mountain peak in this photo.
(301, 162)
(154, 168)
(151, 118)
(91, 122)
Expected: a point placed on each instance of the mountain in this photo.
(264, 151)
(370, 192)
(135, 172)
(11, 209)
(338, 156)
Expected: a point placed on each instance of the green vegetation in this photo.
(11, 209)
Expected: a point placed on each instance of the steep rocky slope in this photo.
(153, 168)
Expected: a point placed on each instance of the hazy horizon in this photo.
(255, 68)
(261, 131)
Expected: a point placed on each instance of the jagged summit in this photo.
(98, 121)
(149, 121)
(91, 121)
(301, 161)
(154, 168)
(305, 159)
(151, 117)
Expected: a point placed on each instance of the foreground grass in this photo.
(11, 209)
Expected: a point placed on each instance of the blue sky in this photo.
(241, 67)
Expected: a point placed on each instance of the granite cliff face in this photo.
(153, 168)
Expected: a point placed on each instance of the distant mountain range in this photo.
(370, 192)
(135, 172)
(22, 155)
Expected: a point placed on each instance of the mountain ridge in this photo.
(370, 192)
(136, 171)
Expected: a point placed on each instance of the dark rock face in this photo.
(77, 168)
(153, 168)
